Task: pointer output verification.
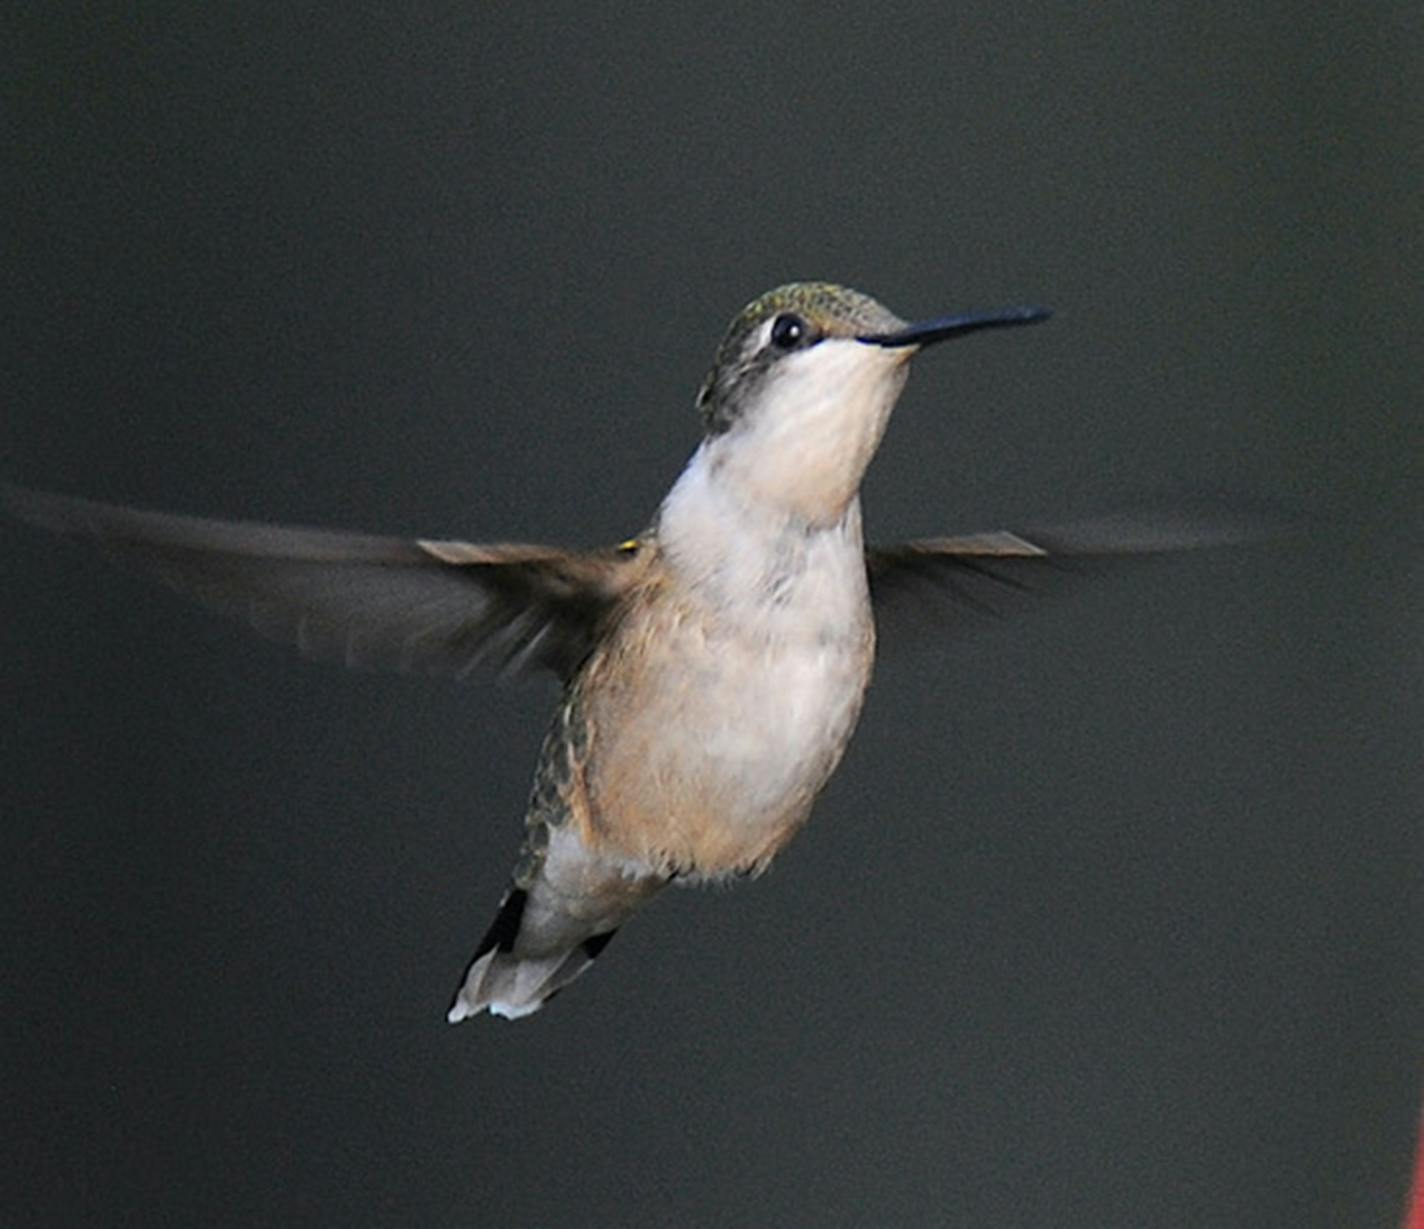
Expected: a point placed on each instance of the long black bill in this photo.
(927, 332)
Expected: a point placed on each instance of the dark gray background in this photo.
(1111, 917)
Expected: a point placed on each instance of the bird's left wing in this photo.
(989, 572)
(446, 606)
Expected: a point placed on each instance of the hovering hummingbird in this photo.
(713, 667)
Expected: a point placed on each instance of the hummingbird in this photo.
(712, 667)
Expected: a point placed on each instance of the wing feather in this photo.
(990, 573)
(441, 605)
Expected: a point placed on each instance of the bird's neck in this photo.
(761, 562)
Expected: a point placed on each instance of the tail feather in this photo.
(511, 983)
(546, 935)
(513, 987)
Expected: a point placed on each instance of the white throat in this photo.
(802, 448)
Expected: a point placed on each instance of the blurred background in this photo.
(1111, 917)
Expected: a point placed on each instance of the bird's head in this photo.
(802, 387)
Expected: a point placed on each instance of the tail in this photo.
(548, 932)
(511, 979)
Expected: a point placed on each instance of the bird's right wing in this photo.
(446, 606)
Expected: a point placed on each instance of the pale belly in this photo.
(711, 759)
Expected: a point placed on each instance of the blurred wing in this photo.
(441, 605)
(989, 573)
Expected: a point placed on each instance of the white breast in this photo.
(773, 726)
(761, 679)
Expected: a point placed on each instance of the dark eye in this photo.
(789, 331)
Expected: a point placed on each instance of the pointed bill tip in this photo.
(927, 332)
